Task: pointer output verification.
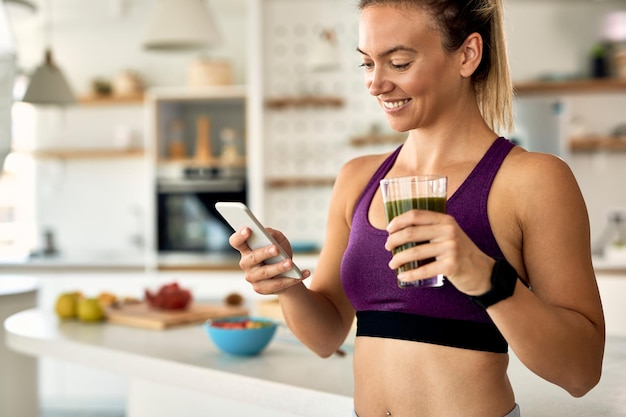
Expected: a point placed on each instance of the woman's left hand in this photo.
(457, 257)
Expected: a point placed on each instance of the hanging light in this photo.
(47, 83)
(20, 7)
(181, 25)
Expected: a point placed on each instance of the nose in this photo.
(377, 83)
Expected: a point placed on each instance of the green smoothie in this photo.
(397, 207)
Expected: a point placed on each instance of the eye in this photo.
(367, 65)
(400, 66)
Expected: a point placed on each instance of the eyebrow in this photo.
(390, 51)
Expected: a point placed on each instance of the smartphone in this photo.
(239, 215)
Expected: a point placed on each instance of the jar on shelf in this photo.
(176, 148)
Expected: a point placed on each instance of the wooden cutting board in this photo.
(141, 315)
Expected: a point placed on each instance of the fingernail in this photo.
(286, 264)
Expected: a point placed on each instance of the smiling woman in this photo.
(438, 70)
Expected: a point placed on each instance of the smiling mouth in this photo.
(394, 104)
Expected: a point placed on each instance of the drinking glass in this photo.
(421, 192)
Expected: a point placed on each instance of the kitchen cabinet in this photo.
(197, 151)
(178, 116)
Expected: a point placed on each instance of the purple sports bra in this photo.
(441, 315)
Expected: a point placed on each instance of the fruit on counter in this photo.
(107, 299)
(241, 324)
(66, 306)
(130, 300)
(233, 299)
(169, 297)
(90, 310)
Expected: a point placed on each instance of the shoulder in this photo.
(352, 180)
(537, 183)
(534, 169)
(360, 169)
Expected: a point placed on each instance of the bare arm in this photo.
(540, 222)
(320, 315)
(557, 330)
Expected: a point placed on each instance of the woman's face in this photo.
(406, 67)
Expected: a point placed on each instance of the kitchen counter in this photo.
(132, 261)
(182, 364)
(286, 380)
(18, 377)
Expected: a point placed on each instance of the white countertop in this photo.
(132, 260)
(286, 377)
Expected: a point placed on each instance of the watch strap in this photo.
(503, 280)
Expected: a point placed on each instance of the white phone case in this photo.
(239, 215)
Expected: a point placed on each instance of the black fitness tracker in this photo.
(503, 281)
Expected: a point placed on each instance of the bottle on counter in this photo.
(611, 244)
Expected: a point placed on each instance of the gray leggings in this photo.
(514, 413)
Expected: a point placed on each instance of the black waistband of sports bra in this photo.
(440, 331)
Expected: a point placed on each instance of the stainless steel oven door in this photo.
(186, 215)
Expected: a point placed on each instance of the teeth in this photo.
(394, 104)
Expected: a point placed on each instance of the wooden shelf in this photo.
(597, 143)
(110, 100)
(87, 153)
(605, 85)
(300, 182)
(378, 139)
(304, 101)
(197, 163)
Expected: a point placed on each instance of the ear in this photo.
(471, 54)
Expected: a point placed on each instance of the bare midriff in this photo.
(411, 379)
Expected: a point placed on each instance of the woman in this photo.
(514, 245)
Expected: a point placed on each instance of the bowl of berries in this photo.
(241, 336)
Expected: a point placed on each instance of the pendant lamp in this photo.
(21, 6)
(179, 25)
(47, 84)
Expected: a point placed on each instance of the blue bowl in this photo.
(248, 341)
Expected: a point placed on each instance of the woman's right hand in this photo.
(265, 278)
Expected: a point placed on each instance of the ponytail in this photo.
(495, 91)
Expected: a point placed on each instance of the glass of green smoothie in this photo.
(422, 192)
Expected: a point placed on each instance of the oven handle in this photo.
(197, 186)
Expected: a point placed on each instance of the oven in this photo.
(187, 221)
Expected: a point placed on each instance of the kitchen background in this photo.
(80, 199)
(103, 207)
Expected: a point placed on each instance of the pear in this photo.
(90, 310)
(66, 305)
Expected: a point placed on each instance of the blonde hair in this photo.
(457, 19)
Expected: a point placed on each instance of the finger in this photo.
(275, 285)
(414, 218)
(252, 258)
(238, 240)
(411, 234)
